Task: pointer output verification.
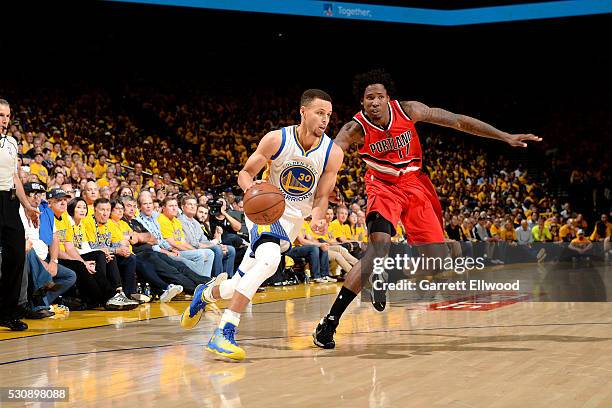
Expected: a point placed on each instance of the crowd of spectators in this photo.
(142, 187)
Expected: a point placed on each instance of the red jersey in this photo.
(392, 151)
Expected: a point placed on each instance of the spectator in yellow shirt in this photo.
(123, 234)
(37, 169)
(340, 232)
(507, 233)
(357, 232)
(91, 193)
(97, 233)
(567, 232)
(315, 252)
(94, 287)
(540, 232)
(580, 247)
(553, 227)
(100, 168)
(109, 175)
(200, 260)
(362, 225)
(496, 228)
(337, 252)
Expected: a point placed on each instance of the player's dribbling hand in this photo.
(518, 140)
(254, 183)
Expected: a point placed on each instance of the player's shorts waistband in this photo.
(374, 175)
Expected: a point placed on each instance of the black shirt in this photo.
(138, 227)
(455, 233)
(223, 223)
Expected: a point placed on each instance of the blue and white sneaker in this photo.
(222, 343)
(192, 314)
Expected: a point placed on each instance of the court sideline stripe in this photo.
(306, 335)
(148, 320)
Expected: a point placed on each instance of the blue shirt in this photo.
(194, 235)
(47, 222)
(151, 224)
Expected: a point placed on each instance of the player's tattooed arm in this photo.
(351, 133)
(419, 112)
(268, 147)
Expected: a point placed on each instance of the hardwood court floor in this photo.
(524, 354)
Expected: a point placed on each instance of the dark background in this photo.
(534, 68)
(549, 77)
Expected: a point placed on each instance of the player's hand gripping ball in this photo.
(263, 203)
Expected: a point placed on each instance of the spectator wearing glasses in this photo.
(168, 269)
(224, 255)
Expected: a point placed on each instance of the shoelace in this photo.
(329, 328)
(228, 333)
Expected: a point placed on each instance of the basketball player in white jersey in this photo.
(303, 163)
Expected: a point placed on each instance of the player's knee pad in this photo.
(268, 258)
(270, 255)
(228, 287)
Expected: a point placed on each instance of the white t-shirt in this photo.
(33, 234)
(8, 162)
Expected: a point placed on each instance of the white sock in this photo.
(229, 316)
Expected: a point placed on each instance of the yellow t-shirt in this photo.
(77, 236)
(103, 182)
(63, 229)
(399, 233)
(306, 228)
(495, 231)
(507, 234)
(98, 235)
(120, 231)
(564, 231)
(99, 170)
(580, 242)
(171, 229)
(358, 234)
(467, 232)
(338, 230)
(40, 171)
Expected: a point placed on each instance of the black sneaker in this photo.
(14, 324)
(323, 335)
(38, 314)
(378, 298)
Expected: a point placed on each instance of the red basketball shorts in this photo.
(412, 199)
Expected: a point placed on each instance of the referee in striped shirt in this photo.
(12, 234)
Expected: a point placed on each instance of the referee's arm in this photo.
(30, 211)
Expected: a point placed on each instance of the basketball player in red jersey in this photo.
(396, 187)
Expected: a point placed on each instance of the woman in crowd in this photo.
(94, 287)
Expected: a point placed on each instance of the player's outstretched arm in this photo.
(419, 112)
(268, 147)
(324, 188)
(350, 133)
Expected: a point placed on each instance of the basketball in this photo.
(264, 203)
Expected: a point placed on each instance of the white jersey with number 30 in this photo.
(296, 172)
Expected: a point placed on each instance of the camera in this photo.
(214, 206)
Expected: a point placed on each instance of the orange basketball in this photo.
(264, 203)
